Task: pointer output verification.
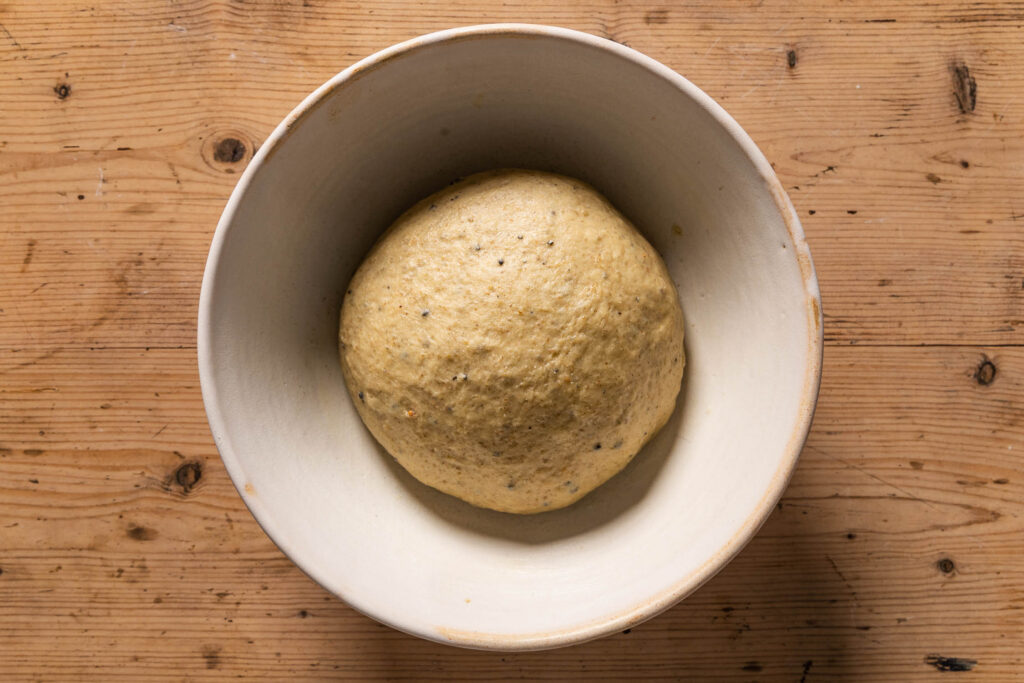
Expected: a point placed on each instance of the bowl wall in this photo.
(397, 127)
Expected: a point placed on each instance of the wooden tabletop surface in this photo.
(898, 550)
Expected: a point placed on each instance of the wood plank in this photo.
(932, 254)
(898, 538)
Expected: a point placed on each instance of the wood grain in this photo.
(125, 552)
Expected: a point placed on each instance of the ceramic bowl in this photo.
(392, 129)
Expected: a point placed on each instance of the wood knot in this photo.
(946, 565)
(211, 656)
(141, 533)
(188, 475)
(62, 90)
(791, 58)
(965, 88)
(986, 372)
(656, 16)
(227, 151)
(950, 663)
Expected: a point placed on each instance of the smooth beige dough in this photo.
(513, 341)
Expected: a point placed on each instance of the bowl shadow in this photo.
(603, 505)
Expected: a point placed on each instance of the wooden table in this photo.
(898, 129)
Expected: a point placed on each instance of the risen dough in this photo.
(513, 341)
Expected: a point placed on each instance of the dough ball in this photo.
(512, 340)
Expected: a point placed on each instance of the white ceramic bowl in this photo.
(394, 128)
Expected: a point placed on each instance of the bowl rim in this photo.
(644, 609)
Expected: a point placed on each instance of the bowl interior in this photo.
(390, 131)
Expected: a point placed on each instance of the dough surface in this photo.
(513, 341)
